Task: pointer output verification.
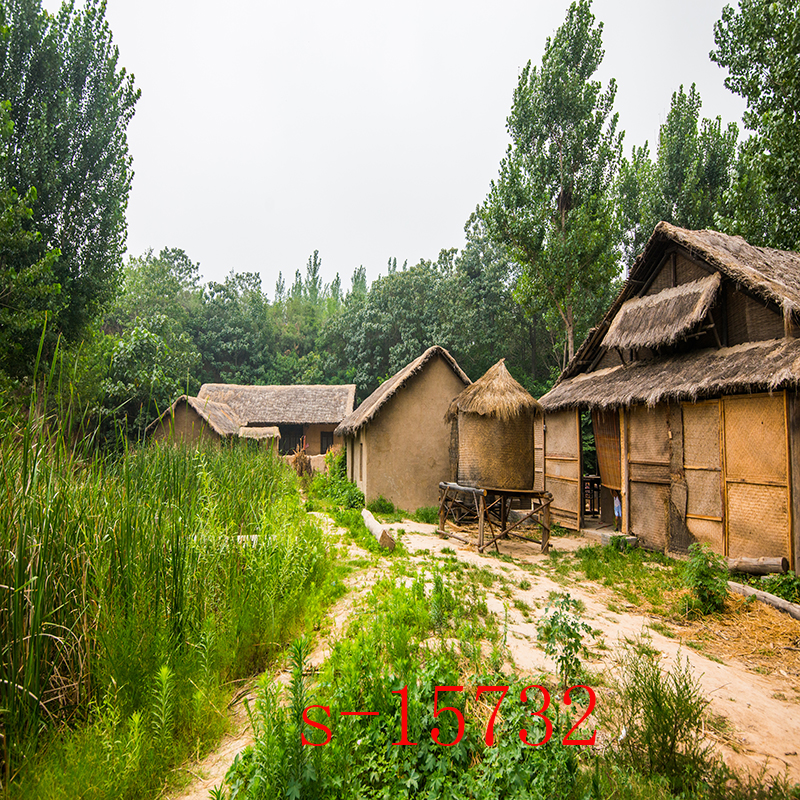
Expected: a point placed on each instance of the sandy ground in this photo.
(762, 710)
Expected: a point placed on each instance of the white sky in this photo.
(359, 128)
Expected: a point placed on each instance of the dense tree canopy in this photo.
(70, 104)
(551, 205)
(688, 182)
(759, 43)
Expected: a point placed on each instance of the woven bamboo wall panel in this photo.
(538, 452)
(649, 473)
(750, 320)
(707, 532)
(704, 493)
(607, 441)
(663, 279)
(758, 521)
(495, 453)
(755, 438)
(562, 434)
(688, 271)
(648, 437)
(701, 435)
(650, 514)
(564, 507)
(556, 468)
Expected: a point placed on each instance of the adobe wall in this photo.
(186, 427)
(312, 434)
(408, 442)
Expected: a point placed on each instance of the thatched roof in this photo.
(772, 275)
(260, 433)
(259, 406)
(754, 366)
(662, 319)
(219, 417)
(496, 394)
(389, 388)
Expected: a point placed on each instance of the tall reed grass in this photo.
(112, 567)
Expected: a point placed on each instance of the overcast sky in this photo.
(359, 128)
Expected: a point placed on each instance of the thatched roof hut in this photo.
(692, 378)
(397, 443)
(495, 418)
(289, 414)
(189, 419)
(283, 405)
(389, 388)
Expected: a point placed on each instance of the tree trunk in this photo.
(792, 609)
(382, 536)
(758, 566)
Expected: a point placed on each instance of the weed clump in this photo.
(707, 576)
(659, 718)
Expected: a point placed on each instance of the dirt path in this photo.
(763, 711)
(764, 729)
(210, 771)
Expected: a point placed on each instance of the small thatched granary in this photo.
(398, 445)
(692, 380)
(494, 421)
(288, 414)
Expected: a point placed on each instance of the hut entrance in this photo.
(602, 473)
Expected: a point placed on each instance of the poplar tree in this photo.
(551, 204)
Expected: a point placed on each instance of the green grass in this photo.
(638, 575)
(115, 569)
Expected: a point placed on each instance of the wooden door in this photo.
(758, 517)
(563, 467)
(649, 474)
(702, 469)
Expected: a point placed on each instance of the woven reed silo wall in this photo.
(495, 453)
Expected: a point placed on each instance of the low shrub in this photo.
(380, 505)
(707, 576)
(429, 515)
(658, 718)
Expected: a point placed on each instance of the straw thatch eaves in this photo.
(269, 432)
(771, 275)
(662, 319)
(754, 366)
(389, 388)
(496, 394)
(260, 406)
(219, 417)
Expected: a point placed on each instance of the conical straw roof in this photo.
(496, 394)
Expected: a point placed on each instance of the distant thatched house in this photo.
(398, 444)
(288, 414)
(495, 421)
(691, 379)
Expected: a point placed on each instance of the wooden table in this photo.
(490, 506)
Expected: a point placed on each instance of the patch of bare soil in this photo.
(756, 688)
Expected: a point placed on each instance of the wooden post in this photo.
(481, 513)
(442, 508)
(546, 529)
(382, 536)
(626, 478)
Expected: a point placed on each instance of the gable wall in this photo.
(409, 441)
(185, 427)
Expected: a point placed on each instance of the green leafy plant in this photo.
(561, 630)
(707, 576)
(380, 505)
(427, 514)
(659, 718)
